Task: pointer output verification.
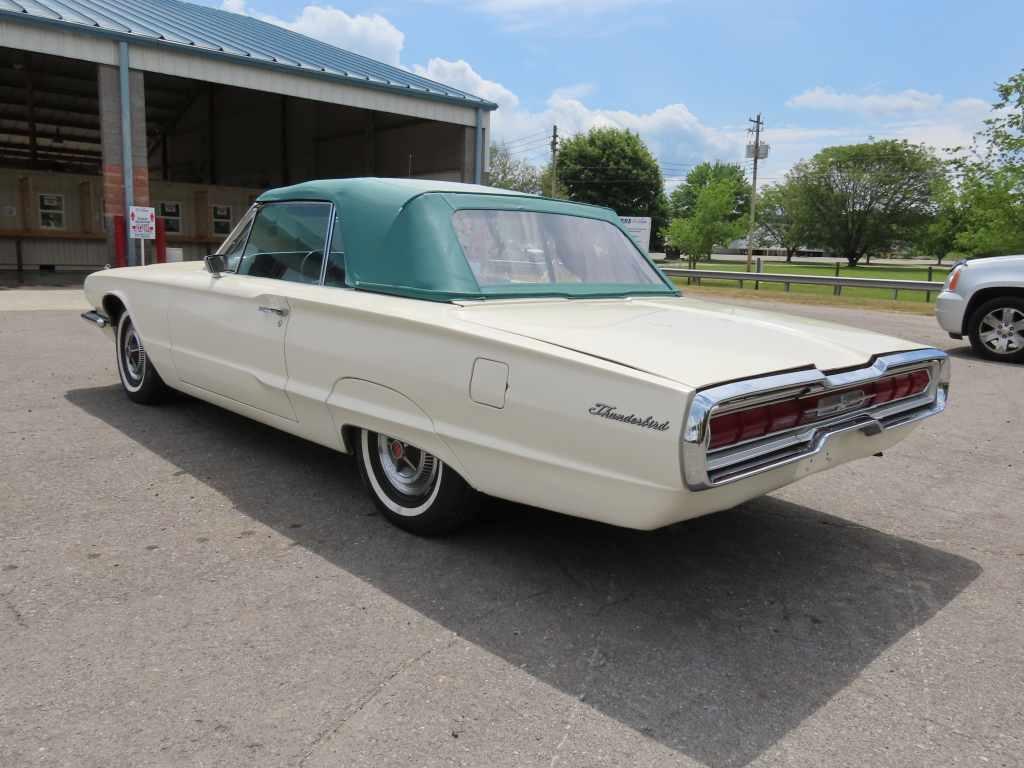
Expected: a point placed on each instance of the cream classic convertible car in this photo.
(462, 339)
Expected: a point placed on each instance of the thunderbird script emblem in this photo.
(606, 411)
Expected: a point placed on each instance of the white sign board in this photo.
(640, 228)
(142, 223)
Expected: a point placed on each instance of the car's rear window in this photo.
(530, 248)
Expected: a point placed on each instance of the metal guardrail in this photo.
(837, 283)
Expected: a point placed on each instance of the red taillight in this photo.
(784, 415)
(725, 430)
(755, 423)
(884, 389)
(761, 420)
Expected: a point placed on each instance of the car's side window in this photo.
(287, 242)
(231, 249)
(335, 273)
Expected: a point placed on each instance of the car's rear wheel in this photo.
(412, 488)
(996, 329)
(139, 378)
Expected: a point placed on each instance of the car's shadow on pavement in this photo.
(968, 354)
(715, 637)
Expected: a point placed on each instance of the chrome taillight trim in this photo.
(704, 469)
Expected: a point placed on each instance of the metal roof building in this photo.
(111, 103)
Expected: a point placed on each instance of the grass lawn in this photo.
(818, 299)
(881, 272)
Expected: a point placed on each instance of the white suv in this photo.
(983, 299)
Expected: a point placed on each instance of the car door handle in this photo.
(280, 312)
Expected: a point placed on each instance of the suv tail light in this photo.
(751, 423)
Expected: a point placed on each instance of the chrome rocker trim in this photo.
(703, 469)
(98, 318)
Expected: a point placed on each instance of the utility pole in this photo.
(554, 160)
(756, 153)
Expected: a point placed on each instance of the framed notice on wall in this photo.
(222, 220)
(171, 214)
(51, 211)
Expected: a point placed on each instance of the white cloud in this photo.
(460, 75)
(675, 135)
(869, 103)
(372, 35)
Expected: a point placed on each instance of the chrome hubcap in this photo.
(134, 356)
(410, 470)
(1002, 331)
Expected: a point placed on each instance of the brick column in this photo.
(110, 134)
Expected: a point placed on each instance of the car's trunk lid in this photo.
(694, 342)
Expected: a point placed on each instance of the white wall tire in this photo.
(139, 378)
(413, 489)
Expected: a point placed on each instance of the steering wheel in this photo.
(305, 260)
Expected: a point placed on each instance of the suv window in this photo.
(287, 242)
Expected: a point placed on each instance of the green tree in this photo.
(508, 172)
(993, 211)
(613, 167)
(549, 187)
(781, 219)
(991, 189)
(684, 197)
(864, 198)
(939, 238)
(710, 222)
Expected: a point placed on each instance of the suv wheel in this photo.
(996, 329)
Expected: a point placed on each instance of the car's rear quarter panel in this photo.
(543, 448)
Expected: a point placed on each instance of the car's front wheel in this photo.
(412, 488)
(139, 378)
(996, 329)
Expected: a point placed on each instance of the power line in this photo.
(527, 137)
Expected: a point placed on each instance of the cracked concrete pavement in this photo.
(182, 587)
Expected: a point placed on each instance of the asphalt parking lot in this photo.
(182, 587)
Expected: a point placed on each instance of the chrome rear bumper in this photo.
(704, 468)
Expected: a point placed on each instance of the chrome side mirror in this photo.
(214, 264)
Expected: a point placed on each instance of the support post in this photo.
(285, 179)
(478, 163)
(126, 141)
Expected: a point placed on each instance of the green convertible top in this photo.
(398, 236)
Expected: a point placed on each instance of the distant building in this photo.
(218, 106)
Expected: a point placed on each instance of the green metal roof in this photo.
(212, 32)
(398, 237)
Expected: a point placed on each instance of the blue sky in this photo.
(686, 75)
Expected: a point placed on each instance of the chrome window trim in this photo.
(699, 463)
(247, 220)
(327, 245)
(259, 206)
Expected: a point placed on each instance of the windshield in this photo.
(527, 252)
